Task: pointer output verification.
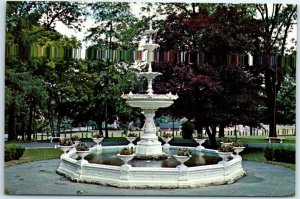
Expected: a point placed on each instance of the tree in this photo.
(26, 80)
(277, 24)
(116, 26)
(219, 94)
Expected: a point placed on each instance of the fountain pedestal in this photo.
(149, 144)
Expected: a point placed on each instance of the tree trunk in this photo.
(272, 112)
(212, 137)
(270, 85)
(58, 125)
(23, 129)
(221, 131)
(250, 130)
(106, 120)
(99, 123)
(29, 125)
(199, 126)
(12, 131)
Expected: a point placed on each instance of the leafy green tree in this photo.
(23, 87)
(277, 21)
(25, 81)
(115, 28)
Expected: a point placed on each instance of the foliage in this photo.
(52, 93)
(183, 152)
(226, 140)
(220, 88)
(200, 136)
(127, 151)
(187, 129)
(98, 135)
(131, 134)
(167, 135)
(228, 148)
(115, 23)
(82, 147)
(75, 138)
(276, 25)
(13, 152)
(280, 154)
(65, 142)
(238, 144)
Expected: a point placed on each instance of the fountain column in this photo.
(149, 126)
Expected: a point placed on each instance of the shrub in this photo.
(238, 144)
(167, 135)
(223, 148)
(13, 152)
(75, 138)
(280, 154)
(98, 135)
(187, 130)
(82, 147)
(183, 152)
(65, 142)
(131, 134)
(127, 151)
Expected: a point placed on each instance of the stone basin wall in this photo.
(151, 177)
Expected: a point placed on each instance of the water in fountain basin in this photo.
(197, 159)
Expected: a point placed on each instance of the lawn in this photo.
(31, 155)
(262, 139)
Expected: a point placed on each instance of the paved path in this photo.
(40, 178)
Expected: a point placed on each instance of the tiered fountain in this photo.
(149, 146)
(105, 169)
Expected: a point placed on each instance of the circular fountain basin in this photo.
(106, 169)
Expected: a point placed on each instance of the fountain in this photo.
(149, 146)
(139, 170)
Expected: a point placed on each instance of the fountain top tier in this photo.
(150, 76)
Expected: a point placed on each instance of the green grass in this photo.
(262, 139)
(35, 155)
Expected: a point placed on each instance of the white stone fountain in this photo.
(225, 172)
(149, 146)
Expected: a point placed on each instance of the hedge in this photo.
(13, 152)
(280, 154)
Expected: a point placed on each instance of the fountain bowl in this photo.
(238, 149)
(153, 104)
(65, 148)
(97, 140)
(82, 154)
(126, 158)
(183, 158)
